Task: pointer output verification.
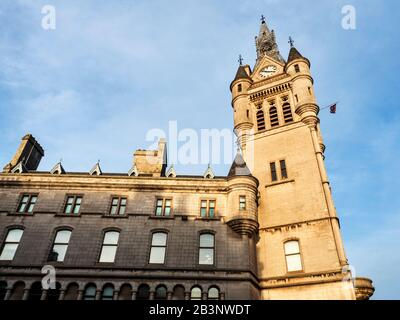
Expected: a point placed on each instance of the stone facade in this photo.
(275, 229)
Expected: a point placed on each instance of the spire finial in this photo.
(291, 42)
(240, 60)
(262, 19)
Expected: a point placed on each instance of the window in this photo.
(296, 68)
(242, 203)
(239, 87)
(109, 248)
(248, 113)
(207, 208)
(27, 203)
(143, 292)
(72, 292)
(260, 120)
(11, 244)
(274, 176)
(206, 249)
(284, 174)
(297, 97)
(3, 289)
(293, 257)
(125, 292)
(178, 293)
(17, 291)
(35, 292)
(195, 293)
(158, 247)
(90, 292)
(213, 293)
(287, 113)
(273, 117)
(163, 207)
(161, 293)
(73, 205)
(54, 294)
(108, 292)
(118, 205)
(60, 246)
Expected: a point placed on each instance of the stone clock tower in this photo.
(300, 250)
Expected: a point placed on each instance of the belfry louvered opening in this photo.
(287, 113)
(273, 116)
(260, 120)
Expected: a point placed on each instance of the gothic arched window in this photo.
(287, 113)
(273, 117)
(260, 120)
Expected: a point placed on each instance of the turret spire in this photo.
(266, 43)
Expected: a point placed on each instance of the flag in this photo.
(333, 108)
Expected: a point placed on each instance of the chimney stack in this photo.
(29, 151)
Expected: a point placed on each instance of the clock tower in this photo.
(300, 250)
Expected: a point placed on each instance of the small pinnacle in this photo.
(240, 60)
(291, 42)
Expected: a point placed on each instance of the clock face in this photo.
(268, 71)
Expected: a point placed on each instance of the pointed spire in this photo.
(171, 173)
(239, 167)
(133, 171)
(96, 170)
(241, 73)
(294, 54)
(266, 43)
(209, 174)
(58, 169)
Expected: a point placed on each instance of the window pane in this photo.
(122, 210)
(78, 200)
(31, 206)
(167, 211)
(195, 294)
(294, 263)
(90, 293)
(14, 235)
(61, 250)
(161, 293)
(159, 203)
(123, 201)
(212, 212)
(212, 204)
(70, 200)
(113, 210)
(76, 209)
(111, 237)
(206, 256)
(207, 240)
(24, 199)
(108, 293)
(213, 294)
(63, 236)
(292, 247)
(159, 239)
(108, 253)
(22, 207)
(167, 203)
(204, 204)
(157, 255)
(159, 211)
(8, 252)
(203, 212)
(115, 201)
(68, 208)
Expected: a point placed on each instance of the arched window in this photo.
(178, 293)
(11, 244)
(90, 292)
(161, 293)
(60, 245)
(143, 292)
(273, 117)
(158, 247)
(3, 289)
(17, 292)
(287, 113)
(109, 248)
(108, 292)
(206, 249)
(195, 293)
(293, 256)
(72, 292)
(213, 294)
(125, 292)
(260, 120)
(35, 293)
(54, 294)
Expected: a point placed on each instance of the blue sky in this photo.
(112, 70)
